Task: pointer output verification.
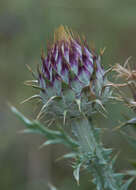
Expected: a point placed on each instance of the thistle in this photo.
(70, 74)
(70, 62)
(73, 86)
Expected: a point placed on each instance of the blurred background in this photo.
(25, 27)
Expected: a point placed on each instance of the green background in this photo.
(25, 28)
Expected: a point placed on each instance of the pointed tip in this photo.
(28, 67)
(102, 50)
(62, 33)
(42, 54)
(31, 71)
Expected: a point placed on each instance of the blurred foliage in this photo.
(25, 27)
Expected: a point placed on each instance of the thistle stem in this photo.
(98, 160)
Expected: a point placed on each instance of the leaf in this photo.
(114, 159)
(131, 122)
(76, 172)
(131, 172)
(66, 156)
(54, 141)
(38, 128)
(35, 125)
(127, 184)
(119, 176)
(52, 187)
(20, 116)
(31, 131)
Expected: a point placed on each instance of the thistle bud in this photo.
(70, 69)
(69, 62)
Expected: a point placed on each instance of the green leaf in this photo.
(52, 187)
(131, 122)
(131, 172)
(66, 156)
(119, 176)
(38, 128)
(54, 141)
(35, 125)
(31, 131)
(127, 184)
(76, 172)
(114, 159)
(20, 116)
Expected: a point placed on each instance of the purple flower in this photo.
(69, 61)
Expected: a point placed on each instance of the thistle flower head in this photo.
(70, 71)
(69, 62)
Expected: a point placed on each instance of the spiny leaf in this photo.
(36, 127)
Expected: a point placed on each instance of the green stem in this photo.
(97, 157)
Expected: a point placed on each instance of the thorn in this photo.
(29, 69)
(102, 51)
(42, 54)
